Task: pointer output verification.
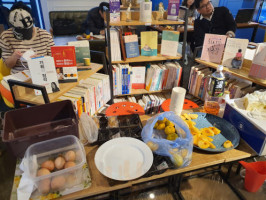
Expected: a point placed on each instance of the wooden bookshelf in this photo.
(28, 95)
(135, 16)
(159, 57)
(142, 91)
(241, 73)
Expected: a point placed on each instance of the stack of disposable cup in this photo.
(177, 100)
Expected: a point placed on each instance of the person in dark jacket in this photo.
(95, 22)
(217, 20)
(4, 12)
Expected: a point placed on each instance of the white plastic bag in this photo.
(88, 129)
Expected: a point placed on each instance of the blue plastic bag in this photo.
(179, 150)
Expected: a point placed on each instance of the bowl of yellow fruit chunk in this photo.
(211, 133)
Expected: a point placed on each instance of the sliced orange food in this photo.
(215, 130)
(203, 144)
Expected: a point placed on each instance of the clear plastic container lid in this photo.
(37, 153)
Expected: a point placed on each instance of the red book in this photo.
(64, 56)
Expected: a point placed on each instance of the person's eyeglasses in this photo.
(205, 5)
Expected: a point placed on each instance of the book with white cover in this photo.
(258, 67)
(169, 44)
(234, 52)
(22, 76)
(115, 45)
(106, 85)
(42, 70)
(138, 77)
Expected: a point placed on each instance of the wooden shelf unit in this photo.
(28, 95)
(241, 73)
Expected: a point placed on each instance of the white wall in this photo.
(61, 5)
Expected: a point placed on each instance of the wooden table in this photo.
(200, 159)
(28, 95)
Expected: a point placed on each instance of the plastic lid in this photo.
(220, 68)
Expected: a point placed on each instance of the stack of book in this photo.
(152, 77)
(90, 95)
(199, 82)
(151, 103)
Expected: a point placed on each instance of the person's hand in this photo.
(17, 54)
(102, 32)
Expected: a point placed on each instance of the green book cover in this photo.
(82, 52)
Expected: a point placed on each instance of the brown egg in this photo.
(69, 164)
(70, 156)
(71, 180)
(49, 164)
(43, 171)
(58, 183)
(59, 162)
(78, 156)
(44, 186)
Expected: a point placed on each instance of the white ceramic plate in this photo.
(123, 158)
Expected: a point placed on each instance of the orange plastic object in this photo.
(187, 105)
(124, 108)
(255, 175)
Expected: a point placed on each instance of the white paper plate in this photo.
(123, 158)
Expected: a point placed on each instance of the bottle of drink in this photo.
(215, 92)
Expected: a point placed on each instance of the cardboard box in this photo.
(253, 131)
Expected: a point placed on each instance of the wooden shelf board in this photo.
(141, 91)
(138, 23)
(241, 73)
(159, 57)
(26, 94)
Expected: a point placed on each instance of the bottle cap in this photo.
(220, 68)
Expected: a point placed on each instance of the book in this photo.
(114, 10)
(169, 44)
(213, 48)
(146, 11)
(132, 46)
(258, 67)
(42, 70)
(65, 63)
(149, 43)
(115, 45)
(122, 44)
(106, 85)
(234, 52)
(82, 50)
(173, 9)
(23, 76)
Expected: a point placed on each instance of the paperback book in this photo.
(132, 46)
(149, 43)
(258, 67)
(173, 9)
(169, 44)
(114, 10)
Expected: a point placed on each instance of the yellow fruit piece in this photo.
(212, 146)
(205, 138)
(194, 130)
(161, 126)
(169, 123)
(203, 144)
(228, 144)
(153, 146)
(187, 116)
(191, 123)
(156, 125)
(207, 132)
(88, 37)
(193, 116)
(210, 139)
(169, 130)
(172, 136)
(182, 117)
(215, 130)
(195, 139)
(177, 159)
(184, 153)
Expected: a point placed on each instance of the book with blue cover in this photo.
(132, 46)
(149, 43)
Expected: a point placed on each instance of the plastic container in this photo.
(255, 175)
(57, 180)
(23, 127)
(215, 92)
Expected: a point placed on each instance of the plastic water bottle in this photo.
(215, 92)
(225, 98)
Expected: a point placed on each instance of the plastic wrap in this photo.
(179, 150)
(88, 129)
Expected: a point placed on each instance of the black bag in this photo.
(64, 27)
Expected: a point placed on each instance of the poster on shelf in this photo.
(258, 67)
(173, 9)
(213, 48)
(234, 52)
(114, 10)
